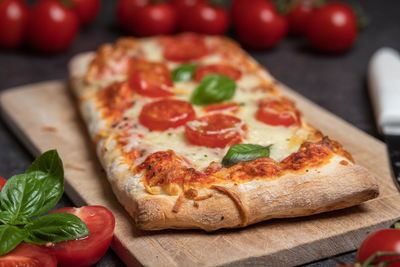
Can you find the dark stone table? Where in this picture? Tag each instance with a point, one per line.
(337, 83)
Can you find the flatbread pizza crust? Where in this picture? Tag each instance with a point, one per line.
(330, 187)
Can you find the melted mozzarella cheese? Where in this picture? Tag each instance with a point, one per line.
(283, 140)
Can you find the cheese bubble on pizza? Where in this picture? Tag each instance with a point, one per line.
(193, 133)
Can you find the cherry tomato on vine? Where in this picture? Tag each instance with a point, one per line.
(125, 10)
(86, 10)
(260, 26)
(154, 19)
(332, 28)
(2, 182)
(204, 18)
(28, 254)
(238, 6)
(299, 15)
(88, 250)
(13, 22)
(386, 240)
(180, 5)
(52, 26)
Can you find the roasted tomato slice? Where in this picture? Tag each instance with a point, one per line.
(221, 69)
(184, 47)
(115, 99)
(28, 254)
(166, 113)
(2, 182)
(278, 113)
(218, 130)
(150, 78)
(88, 250)
(228, 107)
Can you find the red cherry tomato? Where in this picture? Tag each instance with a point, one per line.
(13, 21)
(260, 26)
(221, 69)
(2, 183)
(386, 240)
(28, 254)
(299, 15)
(125, 10)
(237, 8)
(154, 19)
(204, 18)
(52, 26)
(332, 28)
(86, 10)
(180, 5)
(184, 47)
(278, 113)
(218, 130)
(228, 107)
(88, 250)
(166, 113)
(150, 79)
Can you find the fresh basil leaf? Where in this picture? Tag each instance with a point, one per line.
(55, 227)
(184, 73)
(21, 197)
(5, 216)
(244, 152)
(10, 237)
(48, 168)
(213, 88)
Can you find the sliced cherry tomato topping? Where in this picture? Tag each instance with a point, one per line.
(184, 47)
(88, 250)
(150, 79)
(217, 130)
(221, 69)
(228, 107)
(115, 99)
(28, 254)
(166, 113)
(2, 182)
(278, 113)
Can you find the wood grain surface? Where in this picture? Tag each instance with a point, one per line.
(44, 116)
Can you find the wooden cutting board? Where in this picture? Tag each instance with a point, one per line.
(44, 116)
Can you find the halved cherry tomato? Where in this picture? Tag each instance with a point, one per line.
(13, 22)
(221, 69)
(229, 107)
(30, 255)
(278, 113)
(150, 79)
(125, 11)
(88, 250)
(184, 47)
(166, 113)
(217, 130)
(386, 240)
(2, 182)
(154, 19)
(204, 18)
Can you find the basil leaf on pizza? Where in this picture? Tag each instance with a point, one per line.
(244, 152)
(213, 88)
(184, 73)
(55, 227)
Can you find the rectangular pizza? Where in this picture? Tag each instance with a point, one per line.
(193, 133)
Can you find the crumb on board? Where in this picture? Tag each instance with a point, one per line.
(49, 129)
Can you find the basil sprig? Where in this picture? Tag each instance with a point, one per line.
(213, 88)
(184, 73)
(31, 194)
(244, 152)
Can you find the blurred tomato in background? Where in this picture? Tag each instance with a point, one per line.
(13, 21)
